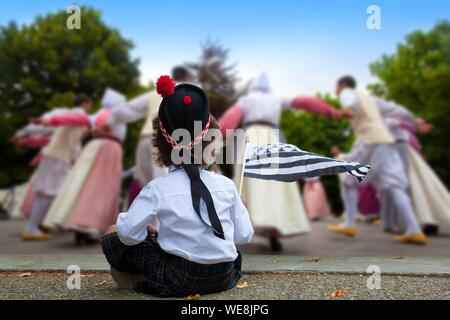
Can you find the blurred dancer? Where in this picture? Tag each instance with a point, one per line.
(276, 208)
(32, 136)
(430, 197)
(402, 124)
(89, 198)
(376, 146)
(57, 157)
(145, 107)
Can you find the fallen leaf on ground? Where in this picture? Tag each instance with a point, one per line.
(315, 260)
(339, 293)
(242, 285)
(25, 274)
(193, 297)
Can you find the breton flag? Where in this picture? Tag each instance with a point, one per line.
(288, 163)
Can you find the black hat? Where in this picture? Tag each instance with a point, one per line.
(185, 106)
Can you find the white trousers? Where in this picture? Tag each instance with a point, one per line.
(388, 176)
(38, 212)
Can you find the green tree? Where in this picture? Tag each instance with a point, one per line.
(417, 76)
(44, 64)
(216, 76)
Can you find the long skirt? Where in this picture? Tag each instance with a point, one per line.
(316, 203)
(146, 168)
(272, 205)
(430, 197)
(88, 201)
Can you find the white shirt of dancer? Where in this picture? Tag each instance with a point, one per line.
(391, 112)
(259, 106)
(167, 201)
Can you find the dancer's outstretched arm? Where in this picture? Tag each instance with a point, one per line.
(68, 117)
(34, 141)
(314, 105)
(390, 109)
(230, 119)
(131, 111)
(34, 129)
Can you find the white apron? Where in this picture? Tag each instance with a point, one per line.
(271, 204)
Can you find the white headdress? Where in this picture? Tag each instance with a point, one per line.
(261, 83)
(112, 98)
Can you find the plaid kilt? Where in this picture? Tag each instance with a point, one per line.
(168, 274)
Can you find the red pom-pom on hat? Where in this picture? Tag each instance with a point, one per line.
(165, 86)
(187, 100)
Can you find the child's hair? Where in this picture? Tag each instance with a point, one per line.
(164, 149)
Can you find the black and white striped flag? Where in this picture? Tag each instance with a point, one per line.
(286, 162)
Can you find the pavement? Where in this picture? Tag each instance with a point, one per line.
(261, 286)
(317, 265)
(371, 241)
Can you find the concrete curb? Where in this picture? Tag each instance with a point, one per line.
(436, 266)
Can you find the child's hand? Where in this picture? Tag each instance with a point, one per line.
(244, 201)
(151, 230)
(424, 127)
(111, 229)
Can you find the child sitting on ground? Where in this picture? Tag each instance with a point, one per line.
(199, 213)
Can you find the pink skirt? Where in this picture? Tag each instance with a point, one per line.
(368, 203)
(315, 200)
(135, 188)
(98, 203)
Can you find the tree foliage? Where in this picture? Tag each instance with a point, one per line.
(44, 65)
(216, 76)
(417, 76)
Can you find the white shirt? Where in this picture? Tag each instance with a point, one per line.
(391, 112)
(167, 201)
(132, 110)
(263, 106)
(348, 98)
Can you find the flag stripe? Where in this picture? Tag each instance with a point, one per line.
(297, 163)
(283, 159)
(291, 177)
(273, 163)
(280, 155)
(302, 169)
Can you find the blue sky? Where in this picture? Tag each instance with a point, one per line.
(303, 45)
